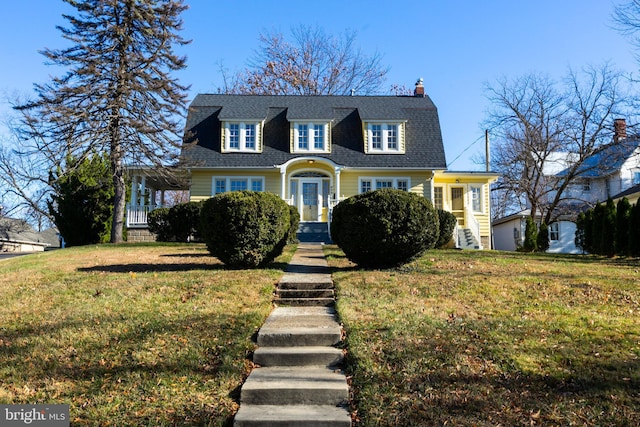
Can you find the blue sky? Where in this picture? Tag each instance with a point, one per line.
(456, 46)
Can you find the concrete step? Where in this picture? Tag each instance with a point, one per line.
(299, 336)
(306, 302)
(292, 416)
(304, 293)
(306, 280)
(298, 356)
(306, 284)
(295, 386)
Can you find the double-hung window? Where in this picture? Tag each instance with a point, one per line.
(241, 137)
(554, 231)
(318, 137)
(310, 138)
(476, 199)
(375, 183)
(222, 184)
(384, 138)
(438, 197)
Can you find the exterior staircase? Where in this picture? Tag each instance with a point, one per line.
(314, 232)
(466, 239)
(298, 381)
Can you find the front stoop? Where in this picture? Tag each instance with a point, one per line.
(292, 416)
(298, 381)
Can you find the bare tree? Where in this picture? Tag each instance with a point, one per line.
(626, 16)
(543, 133)
(311, 62)
(117, 96)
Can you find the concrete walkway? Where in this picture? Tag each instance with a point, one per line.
(299, 381)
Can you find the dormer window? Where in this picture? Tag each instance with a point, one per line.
(385, 138)
(241, 137)
(311, 138)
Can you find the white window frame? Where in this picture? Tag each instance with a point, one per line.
(438, 199)
(313, 131)
(389, 139)
(243, 137)
(477, 203)
(373, 182)
(249, 180)
(554, 231)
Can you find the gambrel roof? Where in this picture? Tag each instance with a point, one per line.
(347, 114)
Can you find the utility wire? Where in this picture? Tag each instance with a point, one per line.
(466, 149)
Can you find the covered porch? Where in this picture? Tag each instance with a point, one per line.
(312, 185)
(149, 191)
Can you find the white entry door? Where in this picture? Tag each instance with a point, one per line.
(310, 200)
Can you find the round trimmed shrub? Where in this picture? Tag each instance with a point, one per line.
(245, 229)
(184, 219)
(448, 223)
(384, 228)
(158, 221)
(294, 224)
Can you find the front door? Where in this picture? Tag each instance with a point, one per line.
(310, 205)
(457, 204)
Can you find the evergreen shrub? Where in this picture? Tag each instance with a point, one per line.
(245, 229)
(184, 220)
(158, 222)
(384, 228)
(448, 223)
(294, 224)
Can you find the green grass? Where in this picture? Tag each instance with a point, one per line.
(492, 338)
(131, 334)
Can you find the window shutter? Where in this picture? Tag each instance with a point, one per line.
(223, 137)
(365, 137)
(327, 136)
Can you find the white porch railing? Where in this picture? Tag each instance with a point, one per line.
(137, 216)
(474, 226)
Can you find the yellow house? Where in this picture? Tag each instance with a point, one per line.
(314, 151)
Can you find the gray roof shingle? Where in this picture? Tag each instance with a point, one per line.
(424, 147)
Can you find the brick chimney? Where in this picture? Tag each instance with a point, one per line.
(419, 90)
(619, 130)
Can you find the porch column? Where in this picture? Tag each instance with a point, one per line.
(283, 182)
(143, 186)
(338, 170)
(134, 191)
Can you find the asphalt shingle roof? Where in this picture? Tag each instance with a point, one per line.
(424, 147)
(609, 159)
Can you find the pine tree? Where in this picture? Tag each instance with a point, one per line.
(623, 215)
(542, 239)
(609, 229)
(634, 231)
(81, 202)
(530, 236)
(117, 96)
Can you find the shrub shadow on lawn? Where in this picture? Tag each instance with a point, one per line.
(150, 268)
(99, 368)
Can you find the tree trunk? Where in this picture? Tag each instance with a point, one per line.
(119, 201)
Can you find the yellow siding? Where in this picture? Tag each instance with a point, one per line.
(200, 185)
(202, 181)
(420, 182)
(466, 181)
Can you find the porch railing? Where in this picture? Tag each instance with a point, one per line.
(474, 226)
(138, 215)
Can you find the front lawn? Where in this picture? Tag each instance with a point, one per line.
(130, 335)
(493, 339)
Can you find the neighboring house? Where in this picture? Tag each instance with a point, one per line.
(612, 172)
(18, 236)
(508, 234)
(314, 151)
